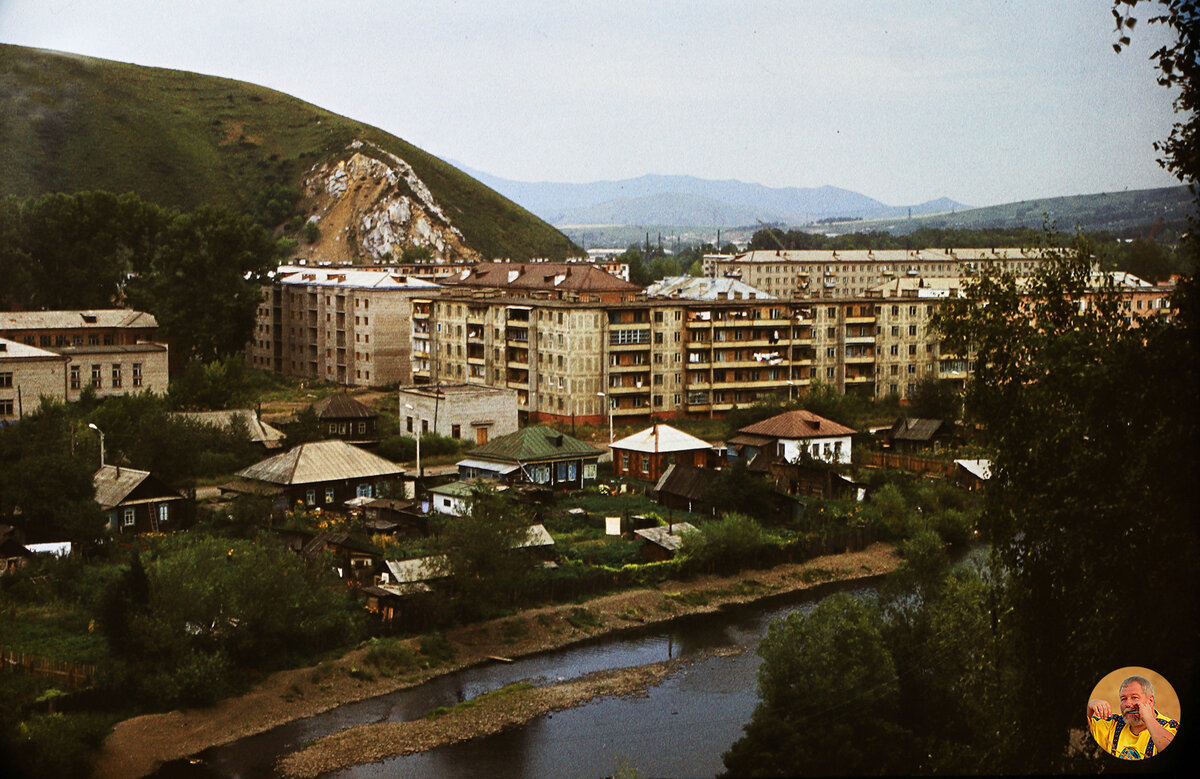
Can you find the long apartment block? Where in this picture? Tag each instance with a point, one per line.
(809, 274)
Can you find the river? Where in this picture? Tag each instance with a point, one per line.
(680, 728)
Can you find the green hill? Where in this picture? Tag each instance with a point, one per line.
(70, 123)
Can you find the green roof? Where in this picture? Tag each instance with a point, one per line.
(534, 444)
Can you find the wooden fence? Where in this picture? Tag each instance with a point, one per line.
(907, 462)
(70, 674)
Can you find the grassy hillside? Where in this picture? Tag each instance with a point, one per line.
(1130, 213)
(71, 123)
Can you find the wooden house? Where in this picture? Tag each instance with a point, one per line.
(343, 418)
(648, 453)
(661, 543)
(539, 455)
(136, 501)
(913, 435)
(320, 474)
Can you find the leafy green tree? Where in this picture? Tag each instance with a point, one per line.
(735, 489)
(480, 553)
(725, 545)
(829, 697)
(203, 284)
(934, 399)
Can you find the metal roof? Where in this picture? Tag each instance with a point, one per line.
(113, 483)
(485, 465)
(668, 537)
(342, 406)
(705, 288)
(260, 431)
(534, 444)
(20, 351)
(981, 469)
(661, 438)
(320, 461)
(61, 320)
(349, 279)
(799, 424)
(915, 429)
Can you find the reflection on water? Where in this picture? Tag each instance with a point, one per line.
(679, 729)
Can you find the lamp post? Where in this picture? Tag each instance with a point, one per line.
(791, 389)
(101, 433)
(610, 424)
(417, 435)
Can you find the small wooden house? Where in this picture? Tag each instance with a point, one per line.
(648, 453)
(661, 543)
(136, 501)
(913, 435)
(540, 455)
(343, 418)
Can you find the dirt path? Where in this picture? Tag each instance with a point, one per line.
(138, 746)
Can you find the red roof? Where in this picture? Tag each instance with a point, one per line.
(797, 425)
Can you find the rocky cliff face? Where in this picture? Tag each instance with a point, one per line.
(372, 206)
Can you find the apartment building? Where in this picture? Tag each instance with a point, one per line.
(697, 349)
(839, 274)
(350, 327)
(108, 351)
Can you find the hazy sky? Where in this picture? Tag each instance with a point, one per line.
(983, 101)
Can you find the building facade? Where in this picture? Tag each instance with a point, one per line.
(28, 374)
(349, 327)
(471, 412)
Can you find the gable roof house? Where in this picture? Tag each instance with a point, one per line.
(320, 474)
(909, 435)
(259, 431)
(347, 419)
(785, 436)
(647, 453)
(539, 455)
(136, 501)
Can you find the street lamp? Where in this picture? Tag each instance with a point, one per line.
(101, 432)
(417, 435)
(609, 404)
(791, 389)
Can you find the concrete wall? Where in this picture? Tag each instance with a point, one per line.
(465, 410)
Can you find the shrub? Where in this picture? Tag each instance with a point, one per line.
(390, 655)
(725, 545)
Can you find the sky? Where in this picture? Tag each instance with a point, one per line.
(981, 101)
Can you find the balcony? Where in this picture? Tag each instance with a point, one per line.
(630, 368)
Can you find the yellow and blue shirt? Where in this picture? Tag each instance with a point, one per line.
(1118, 740)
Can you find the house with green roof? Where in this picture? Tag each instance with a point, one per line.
(537, 455)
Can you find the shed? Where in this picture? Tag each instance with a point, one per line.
(664, 541)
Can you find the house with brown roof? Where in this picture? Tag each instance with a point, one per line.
(320, 474)
(648, 453)
(136, 501)
(792, 435)
(344, 418)
(911, 435)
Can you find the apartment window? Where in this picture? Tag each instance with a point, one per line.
(75, 379)
(831, 351)
(895, 369)
(6, 379)
(6, 407)
(830, 373)
(912, 310)
(896, 331)
(116, 374)
(912, 350)
(97, 381)
(912, 368)
(912, 329)
(94, 339)
(137, 374)
(895, 310)
(109, 339)
(895, 350)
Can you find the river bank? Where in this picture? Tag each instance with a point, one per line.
(137, 746)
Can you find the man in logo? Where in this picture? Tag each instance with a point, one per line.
(1139, 731)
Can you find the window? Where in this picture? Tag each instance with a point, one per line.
(333, 428)
(97, 381)
(329, 494)
(409, 424)
(76, 381)
(362, 428)
(912, 368)
(310, 497)
(137, 374)
(456, 431)
(6, 379)
(645, 463)
(481, 436)
(6, 407)
(424, 427)
(624, 461)
(93, 339)
(912, 350)
(895, 350)
(912, 329)
(164, 512)
(128, 519)
(116, 374)
(362, 491)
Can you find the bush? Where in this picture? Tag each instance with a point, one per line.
(725, 545)
(58, 744)
(390, 655)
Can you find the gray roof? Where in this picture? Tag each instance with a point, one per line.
(321, 461)
(20, 351)
(915, 429)
(705, 288)
(260, 431)
(668, 537)
(114, 483)
(60, 320)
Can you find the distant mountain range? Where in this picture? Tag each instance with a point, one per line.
(687, 200)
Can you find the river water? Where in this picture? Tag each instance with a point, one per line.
(680, 728)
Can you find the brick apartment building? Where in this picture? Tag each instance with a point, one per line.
(110, 351)
(349, 327)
